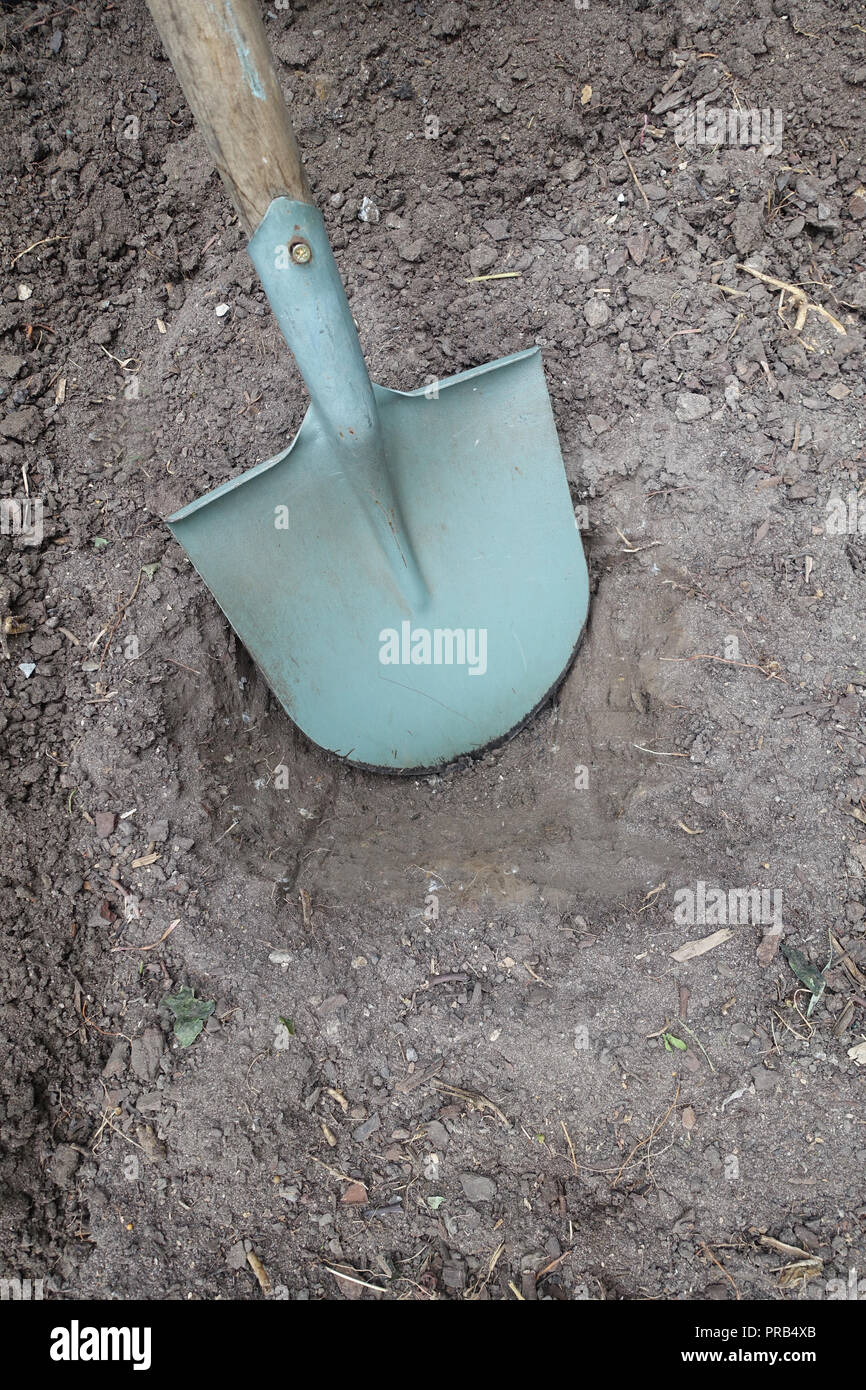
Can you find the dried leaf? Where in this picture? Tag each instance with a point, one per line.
(260, 1272)
(690, 949)
(145, 859)
(800, 1271)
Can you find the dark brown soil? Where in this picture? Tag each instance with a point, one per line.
(476, 966)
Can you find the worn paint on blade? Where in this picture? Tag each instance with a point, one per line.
(248, 67)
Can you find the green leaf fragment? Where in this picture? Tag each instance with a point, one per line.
(287, 1024)
(189, 1014)
(671, 1041)
(807, 974)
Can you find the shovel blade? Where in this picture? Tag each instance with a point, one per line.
(370, 664)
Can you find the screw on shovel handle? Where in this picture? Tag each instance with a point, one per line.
(220, 54)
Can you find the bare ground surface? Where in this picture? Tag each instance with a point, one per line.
(494, 1075)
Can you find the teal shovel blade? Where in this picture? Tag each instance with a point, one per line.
(405, 625)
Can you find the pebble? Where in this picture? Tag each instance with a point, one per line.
(145, 1054)
(692, 406)
(596, 313)
(368, 211)
(482, 258)
(104, 823)
(478, 1188)
(23, 425)
(366, 1129)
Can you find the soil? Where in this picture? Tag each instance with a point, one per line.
(450, 1054)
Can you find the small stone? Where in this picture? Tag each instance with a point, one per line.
(145, 1054)
(27, 668)
(368, 211)
(355, 1195)
(482, 258)
(105, 823)
(221, 310)
(497, 228)
(64, 1162)
(638, 245)
(24, 425)
(438, 1134)
(158, 832)
(478, 1188)
(857, 205)
(236, 1257)
(409, 249)
(502, 100)
(596, 313)
(808, 188)
(364, 1130)
(116, 1064)
(692, 406)
(571, 170)
(25, 291)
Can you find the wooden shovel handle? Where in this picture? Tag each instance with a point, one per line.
(220, 54)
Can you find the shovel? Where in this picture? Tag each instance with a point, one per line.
(408, 573)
